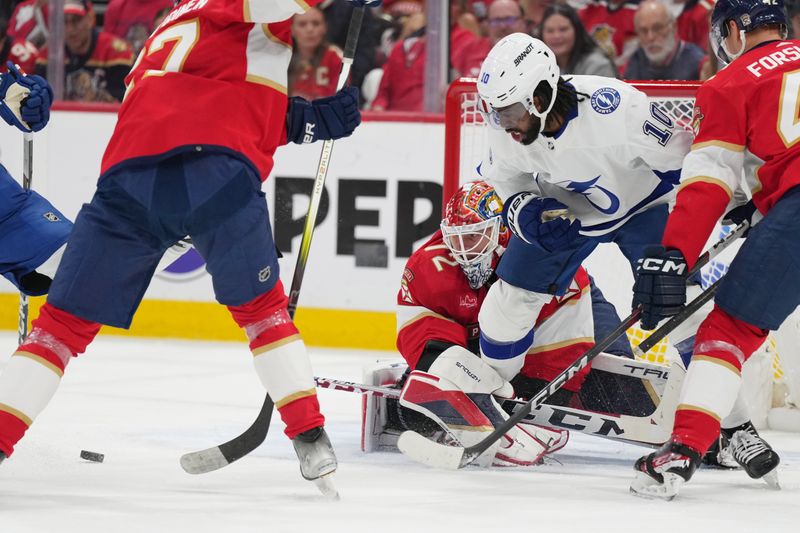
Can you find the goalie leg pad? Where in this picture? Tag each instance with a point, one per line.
(458, 394)
(377, 412)
(281, 359)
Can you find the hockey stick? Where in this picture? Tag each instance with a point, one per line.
(453, 457)
(217, 457)
(668, 326)
(27, 181)
(652, 429)
(614, 364)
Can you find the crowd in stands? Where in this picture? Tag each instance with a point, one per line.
(628, 39)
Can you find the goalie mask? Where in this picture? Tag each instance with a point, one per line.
(510, 74)
(748, 15)
(473, 230)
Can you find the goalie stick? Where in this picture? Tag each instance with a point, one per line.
(453, 457)
(27, 182)
(211, 459)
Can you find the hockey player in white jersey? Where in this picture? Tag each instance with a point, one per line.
(577, 162)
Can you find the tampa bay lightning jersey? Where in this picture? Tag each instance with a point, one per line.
(615, 156)
(31, 230)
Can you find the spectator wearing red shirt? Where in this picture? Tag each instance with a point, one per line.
(504, 17)
(96, 61)
(29, 21)
(315, 65)
(694, 21)
(19, 51)
(132, 20)
(610, 23)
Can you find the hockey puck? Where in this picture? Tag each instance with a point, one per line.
(92, 456)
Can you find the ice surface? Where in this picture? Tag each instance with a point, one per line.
(144, 403)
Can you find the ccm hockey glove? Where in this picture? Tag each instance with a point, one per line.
(323, 119)
(660, 286)
(543, 221)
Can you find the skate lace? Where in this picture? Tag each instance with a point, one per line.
(746, 445)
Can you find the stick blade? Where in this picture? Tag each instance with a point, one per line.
(430, 453)
(203, 461)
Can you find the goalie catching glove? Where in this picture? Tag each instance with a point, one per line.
(542, 221)
(24, 100)
(323, 119)
(459, 393)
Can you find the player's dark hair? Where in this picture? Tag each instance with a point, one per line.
(567, 97)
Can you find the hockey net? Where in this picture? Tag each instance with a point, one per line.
(772, 384)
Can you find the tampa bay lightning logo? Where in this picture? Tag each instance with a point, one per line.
(601, 198)
(605, 100)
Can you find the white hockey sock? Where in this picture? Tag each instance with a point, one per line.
(285, 370)
(711, 386)
(506, 317)
(27, 385)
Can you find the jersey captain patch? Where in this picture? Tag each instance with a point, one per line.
(605, 100)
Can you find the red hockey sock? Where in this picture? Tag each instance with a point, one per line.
(39, 363)
(722, 345)
(281, 359)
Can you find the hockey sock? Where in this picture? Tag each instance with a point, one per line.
(507, 317)
(713, 380)
(34, 372)
(281, 359)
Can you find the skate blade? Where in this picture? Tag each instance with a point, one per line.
(327, 487)
(646, 487)
(771, 479)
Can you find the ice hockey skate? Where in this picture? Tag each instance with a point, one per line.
(662, 473)
(317, 459)
(753, 454)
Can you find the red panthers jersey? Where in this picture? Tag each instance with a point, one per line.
(611, 25)
(213, 74)
(745, 120)
(317, 81)
(20, 52)
(435, 301)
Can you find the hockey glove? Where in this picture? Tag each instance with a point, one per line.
(660, 286)
(543, 221)
(739, 214)
(366, 3)
(26, 100)
(333, 117)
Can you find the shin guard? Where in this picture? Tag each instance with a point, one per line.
(713, 380)
(281, 359)
(34, 372)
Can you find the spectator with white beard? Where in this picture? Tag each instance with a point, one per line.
(661, 55)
